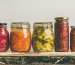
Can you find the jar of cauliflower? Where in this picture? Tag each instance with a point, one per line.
(42, 37)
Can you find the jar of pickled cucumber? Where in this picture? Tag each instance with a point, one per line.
(61, 34)
(42, 37)
(20, 36)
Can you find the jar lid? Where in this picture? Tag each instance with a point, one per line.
(20, 25)
(42, 25)
(61, 18)
(3, 23)
(72, 26)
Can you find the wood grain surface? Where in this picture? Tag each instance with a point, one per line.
(37, 53)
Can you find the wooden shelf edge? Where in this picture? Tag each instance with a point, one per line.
(37, 54)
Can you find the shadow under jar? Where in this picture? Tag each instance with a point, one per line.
(42, 37)
(61, 34)
(4, 37)
(20, 36)
(72, 38)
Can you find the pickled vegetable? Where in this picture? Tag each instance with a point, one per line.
(61, 35)
(4, 38)
(20, 40)
(43, 39)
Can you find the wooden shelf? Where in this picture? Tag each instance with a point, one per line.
(37, 53)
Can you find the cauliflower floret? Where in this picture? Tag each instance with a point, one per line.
(51, 31)
(50, 39)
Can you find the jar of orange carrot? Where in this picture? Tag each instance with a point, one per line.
(20, 36)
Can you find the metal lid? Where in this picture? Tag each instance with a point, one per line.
(20, 25)
(42, 25)
(61, 18)
(3, 23)
(72, 26)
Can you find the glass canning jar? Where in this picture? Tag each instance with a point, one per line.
(4, 37)
(61, 34)
(72, 38)
(20, 36)
(42, 37)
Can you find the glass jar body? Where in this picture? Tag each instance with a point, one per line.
(42, 40)
(61, 35)
(4, 38)
(20, 40)
(72, 39)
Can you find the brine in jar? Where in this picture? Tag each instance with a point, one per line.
(61, 34)
(20, 36)
(42, 37)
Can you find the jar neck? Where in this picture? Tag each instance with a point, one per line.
(3, 26)
(19, 30)
(58, 20)
(73, 28)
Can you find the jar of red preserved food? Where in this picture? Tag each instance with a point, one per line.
(61, 34)
(72, 38)
(4, 37)
(20, 36)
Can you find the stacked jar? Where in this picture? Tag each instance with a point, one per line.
(42, 37)
(61, 34)
(20, 36)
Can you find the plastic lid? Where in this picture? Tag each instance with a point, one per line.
(20, 25)
(42, 25)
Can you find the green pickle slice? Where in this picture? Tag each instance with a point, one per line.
(43, 40)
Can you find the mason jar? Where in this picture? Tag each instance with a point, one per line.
(72, 38)
(4, 37)
(42, 37)
(20, 36)
(61, 34)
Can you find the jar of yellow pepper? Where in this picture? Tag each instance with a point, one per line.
(42, 37)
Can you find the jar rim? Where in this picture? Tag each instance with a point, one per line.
(20, 25)
(42, 22)
(72, 26)
(61, 18)
(3, 23)
(42, 25)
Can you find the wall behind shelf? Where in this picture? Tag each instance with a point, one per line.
(36, 11)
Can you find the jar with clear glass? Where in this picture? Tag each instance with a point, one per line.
(4, 37)
(42, 37)
(61, 34)
(20, 36)
(72, 38)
